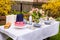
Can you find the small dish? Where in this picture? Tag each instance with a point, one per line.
(47, 22)
(37, 25)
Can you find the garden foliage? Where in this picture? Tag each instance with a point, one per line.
(53, 8)
(5, 7)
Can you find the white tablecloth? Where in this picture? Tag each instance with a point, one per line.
(28, 34)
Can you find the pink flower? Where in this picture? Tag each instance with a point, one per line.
(33, 9)
(37, 10)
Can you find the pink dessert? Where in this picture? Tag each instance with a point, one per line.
(19, 24)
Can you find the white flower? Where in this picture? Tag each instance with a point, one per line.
(31, 12)
(41, 12)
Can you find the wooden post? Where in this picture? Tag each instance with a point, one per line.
(2, 20)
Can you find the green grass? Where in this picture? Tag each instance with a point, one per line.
(9, 39)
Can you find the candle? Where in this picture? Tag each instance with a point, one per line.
(30, 19)
(19, 18)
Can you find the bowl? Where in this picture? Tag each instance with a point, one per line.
(37, 25)
(47, 22)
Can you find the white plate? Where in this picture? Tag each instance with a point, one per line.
(21, 27)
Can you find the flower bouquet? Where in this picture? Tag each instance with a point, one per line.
(36, 14)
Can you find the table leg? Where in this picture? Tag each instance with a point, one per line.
(3, 36)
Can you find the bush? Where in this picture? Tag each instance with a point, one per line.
(58, 19)
(53, 8)
(5, 7)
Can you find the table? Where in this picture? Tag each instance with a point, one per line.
(28, 34)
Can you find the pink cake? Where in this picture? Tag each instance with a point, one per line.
(19, 24)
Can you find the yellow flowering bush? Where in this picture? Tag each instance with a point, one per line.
(5, 7)
(53, 8)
